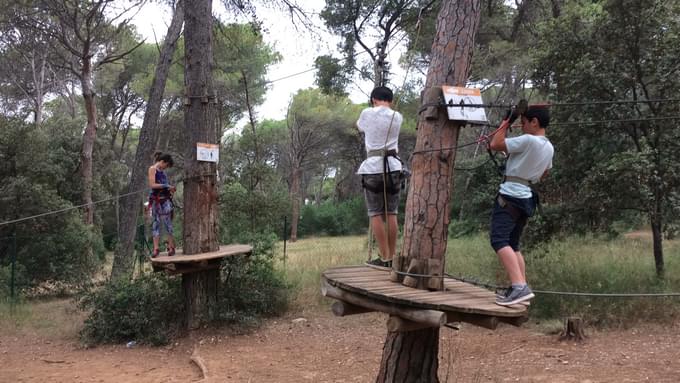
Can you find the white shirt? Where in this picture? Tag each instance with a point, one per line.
(530, 157)
(381, 127)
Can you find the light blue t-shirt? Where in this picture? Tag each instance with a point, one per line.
(529, 157)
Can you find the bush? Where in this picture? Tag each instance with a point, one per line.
(144, 309)
(334, 219)
(251, 287)
(20, 280)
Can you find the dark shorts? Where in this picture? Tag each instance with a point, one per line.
(507, 223)
(375, 201)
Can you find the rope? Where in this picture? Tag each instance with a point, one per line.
(385, 161)
(53, 212)
(547, 292)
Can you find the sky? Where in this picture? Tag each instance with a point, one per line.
(298, 47)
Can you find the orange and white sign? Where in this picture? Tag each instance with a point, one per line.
(459, 96)
(207, 152)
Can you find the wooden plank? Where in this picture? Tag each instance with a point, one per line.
(473, 300)
(432, 318)
(222, 252)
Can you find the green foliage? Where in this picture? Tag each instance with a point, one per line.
(243, 211)
(20, 280)
(145, 309)
(251, 287)
(35, 169)
(333, 218)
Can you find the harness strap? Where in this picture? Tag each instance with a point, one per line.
(518, 180)
(382, 153)
(512, 209)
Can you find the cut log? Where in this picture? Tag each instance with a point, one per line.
(396, 324)
(341, 309)
(573, 329)
(432, 318)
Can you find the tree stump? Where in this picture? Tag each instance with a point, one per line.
(573, 329)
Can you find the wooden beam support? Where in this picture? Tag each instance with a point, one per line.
(432, 318)
(397, 324)
(341, 309)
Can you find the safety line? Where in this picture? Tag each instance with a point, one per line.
(53, 212)
(565, 293)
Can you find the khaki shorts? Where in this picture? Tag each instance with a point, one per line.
(375, 201)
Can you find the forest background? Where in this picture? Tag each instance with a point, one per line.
(76, 80)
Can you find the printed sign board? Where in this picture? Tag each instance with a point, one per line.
(207, 152)
(459, 96)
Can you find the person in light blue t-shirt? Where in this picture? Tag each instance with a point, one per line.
(529, 160)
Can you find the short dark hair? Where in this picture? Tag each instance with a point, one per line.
(541, 112)
(382, 93)
(165, 157)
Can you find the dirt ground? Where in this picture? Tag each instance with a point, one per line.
(317, 347)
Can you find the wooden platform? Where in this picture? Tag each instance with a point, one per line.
(363, 286)
(182, 264)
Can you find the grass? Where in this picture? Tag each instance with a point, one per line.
(51, 319)
(578, 264)
(582, 264)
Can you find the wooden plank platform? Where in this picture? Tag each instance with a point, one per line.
(459, 300)
(224, 251)
(184, 264)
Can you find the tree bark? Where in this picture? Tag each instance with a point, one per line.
(413, 356)
(130, 205)
(200, 182)
(410, 356)
(296, 198)
(200, 120)
(89, 137)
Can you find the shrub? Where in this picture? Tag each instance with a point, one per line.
(333, 218)
(144, 309)
(251, 287)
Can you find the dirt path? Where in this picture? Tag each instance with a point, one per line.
(323, 348)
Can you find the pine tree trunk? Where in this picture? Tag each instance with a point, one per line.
(200, 187)
(296, 197)
(89, 137)
(411, 357)
(130, 205)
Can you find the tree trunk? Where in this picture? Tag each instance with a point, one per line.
(130, 206)
(200, 123)
(295, 195)
(200, 297)
(200, 183)
(427, 205)
(89, 137)
(657, 240)
(410, 356)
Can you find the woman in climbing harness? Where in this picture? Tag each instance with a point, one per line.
(160, 202)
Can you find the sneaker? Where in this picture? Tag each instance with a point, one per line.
(503, 292)
(155, 253)
(379, 264)
(515, 296)
(171, 252)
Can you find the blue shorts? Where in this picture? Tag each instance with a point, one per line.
(508, 222)
(161, 212)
